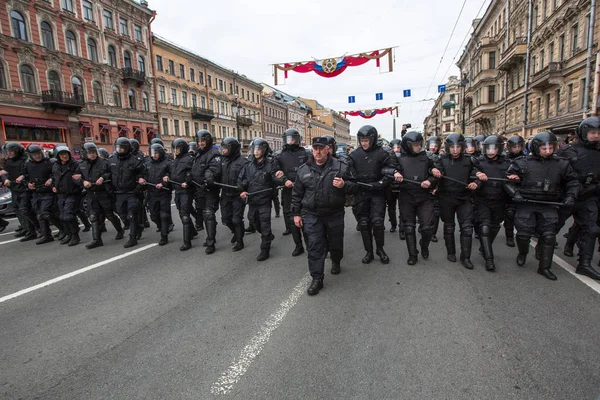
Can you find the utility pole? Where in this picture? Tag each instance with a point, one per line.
(394, 129)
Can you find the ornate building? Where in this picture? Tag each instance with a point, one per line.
(275, 121)
(340, 126)
(444, 115)
(296, 109)
(75, 71)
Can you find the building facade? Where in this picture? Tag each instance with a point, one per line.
(297, 110)
(275, 121)
(444, 116)
(340, 126)
(316, 128)
(194, 93)
(76, 71)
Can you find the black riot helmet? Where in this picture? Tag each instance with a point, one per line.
(123, 147)
(395, 144)
(410, 140)
(454, 139)
(479, 142)
(34, 149)
(182, 145)
(291, 139)
(193, 146)
(470, 145)
(157, 149)
(62, 149)
(135, 145)
(493, 144)
(232, 145)
(16, 148)
(157, 141)
(543, 139)
(331, 143)
(103, 153)
(88, 148)
(368, 132)
(261, 144)
(434, 144)
(203, 134)
(515, 144)
(591, 124)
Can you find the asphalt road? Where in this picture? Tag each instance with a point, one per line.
(165, 324)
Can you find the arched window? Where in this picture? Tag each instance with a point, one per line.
(77, 87)
(141, 64)
(112, 56)
(145, 101)
(18, 25)
(2, 77)
(53, 81)
(47, 36)
(98, 97)
(131, 97)
(92, 50)
(127, 59)
(27, 79)
(71, 43)
(116, 96)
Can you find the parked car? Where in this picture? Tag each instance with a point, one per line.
(6, 203)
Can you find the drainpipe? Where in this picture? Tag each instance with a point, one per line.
(596, 86)
(589, 60)
(152, 62)
(527, 68)
(506, 44)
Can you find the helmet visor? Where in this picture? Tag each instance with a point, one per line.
(491, 149)
(416, 146)
(470, 147)
(291, 140)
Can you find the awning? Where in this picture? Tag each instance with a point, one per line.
(448, 104)
(85, 125)
(564, 128)
(137, 129)
(34, 122)
(105, 127)
(123, 129)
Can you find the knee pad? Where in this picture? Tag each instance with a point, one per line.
(131, 218)
(236, 220)
(485, 230)
(449, 228)
(44, 216)
(549, 240)
(466, 231)
(93, 217)
(594, 231)
(377, 222)
(510, 215)
(363, 224)
(186, 220)
(409, 229)
(164, 215)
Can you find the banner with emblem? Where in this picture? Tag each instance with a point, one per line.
(370, 113)
(332, 67)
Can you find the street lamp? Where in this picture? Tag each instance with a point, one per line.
(235, 109)
(436, 122)
(463, 84)
(309, 134)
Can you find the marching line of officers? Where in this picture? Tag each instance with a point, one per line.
(481, 187)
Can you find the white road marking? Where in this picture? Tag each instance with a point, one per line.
(239, 367)
(11, 219)
(74, 273)
(18, 239)
(594, 285)
(7, 233)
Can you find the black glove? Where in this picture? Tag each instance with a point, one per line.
(240, 188)
(518, 198)
(377, 186)
(210, 180)
(569, 201)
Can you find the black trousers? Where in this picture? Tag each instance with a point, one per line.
(585, 215)
(260, 216)
(459, 206)
(489, 211)
(369, 211)
(232, 211)
(322, 231)
(68, 205)
(43, 205)
(531, 218)
(127, 204)
(159, 207)
(392, 197)
(183, 202)
(208, 203)
(24, 209)
(413, 206)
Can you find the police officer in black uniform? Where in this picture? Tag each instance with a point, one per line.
(180, 175)
(127, 174)
(143, 217)
(256, 182)
(232, 205)
(159, 193)
(514, 149)
(318, 200)
(544, 177)
(471, 146)
(455, 196)
(205, 171)
(584, 157)
(66, 176)
(366, 164)
(392, 193)
(434, 146)
(286, 163)
(490, 199)
(95, 173)
(415, 198)
(193, 147)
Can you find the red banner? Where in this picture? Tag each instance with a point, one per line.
(367, 114)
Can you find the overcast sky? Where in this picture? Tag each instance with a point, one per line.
(247, 36)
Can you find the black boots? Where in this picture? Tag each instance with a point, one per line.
(585, 259)
(367, 239)
(47, 234)
(510, 238)
(411, 244)
(466, 242)
(297, 236)
(424, 242)
(450, 246)
(523, 246)
(546, 253)
(379, 235)
(211, 233)
(164, 231)
(315, 286)
(239, 236)
(96, 237)
(264, 254)
(335, 267)
(187, 237)
(74, 229)
(486, 246)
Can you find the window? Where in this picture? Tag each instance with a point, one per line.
(71, 43)
(98, 98)
(211, 104)
(552, 52)
(491, 94)
(201, 78)
(186, 128)
(77, 87)
(137, 33)
(171, 67)
(92, 50)
(27, 79)
(492, 60)
(209, 79)
(253, 97)
(108, 20)
(176, 126)
(569, 96)
(131, 98)
(112, 56)
(534, 64)
(202, 102)
(192, 75)
(145, 102)
(544, 9)
(162, 96)
(53, 81)
(452, 97)
(47, 36)
(231, 88)
(575, 39)
(184, 99)
(547, 106)
(242, 93)
(159, 64)
(538, 108)
(196, 127)
(127, 59)
(141, 64)
(123, 26)
(68, 5)
(535, 17)
(104, 133)
(18, 25)
(447, 112)
(221, 85)
(174, 97)
(116, 96)
(561, 47)
(554, 4)
(557, 99)
(542, 58)
(182, 71)
(447, 127)
(581, 92)
(194, 101)
(88, 12)
(165, 126)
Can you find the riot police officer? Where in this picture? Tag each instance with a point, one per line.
(127, 172)
(455, 168)
(584, 157)
(103, 153)
(193, 147)
(366, 164)
(205, 172)
(479, 139)
(392, 193)
(286, 163)
(65, 177)
(159, 193)
(514, 146)
(142, 216)
(232, 205)
(490, 199)
(256, 182)
(95, 173)
(471, 146)
(544, 177)
(434, 147)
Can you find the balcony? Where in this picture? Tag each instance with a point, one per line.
(130, 74)
(244, 121)
(56, 99)
(513, 53)
(548, 76)
(202, 114)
